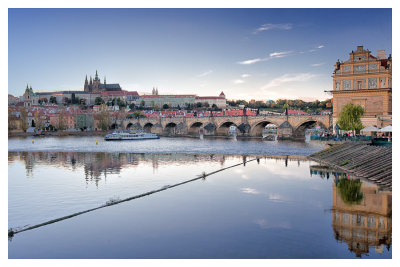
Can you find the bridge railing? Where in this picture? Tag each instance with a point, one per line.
(239, 116)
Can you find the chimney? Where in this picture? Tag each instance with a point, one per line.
(381, 54)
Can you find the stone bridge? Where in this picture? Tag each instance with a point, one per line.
(289, 127)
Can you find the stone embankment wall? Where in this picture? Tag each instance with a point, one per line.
(373, 163)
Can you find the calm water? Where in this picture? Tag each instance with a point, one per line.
(270, 208)
(164, 145)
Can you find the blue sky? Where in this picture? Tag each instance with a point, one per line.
(247, 53)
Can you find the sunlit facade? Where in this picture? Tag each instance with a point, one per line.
(365, 80)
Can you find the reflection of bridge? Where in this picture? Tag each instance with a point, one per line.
(289, 127)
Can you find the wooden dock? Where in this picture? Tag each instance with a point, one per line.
(373, 163)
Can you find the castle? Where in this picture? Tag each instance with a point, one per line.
(95, 85)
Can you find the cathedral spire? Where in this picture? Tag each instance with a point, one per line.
(96, 77)
(104, 79)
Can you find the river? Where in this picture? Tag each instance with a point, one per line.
(273, 206)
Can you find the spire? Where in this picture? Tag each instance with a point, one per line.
(90, 80)
(104, 79)
(86, 78)
(96, 77)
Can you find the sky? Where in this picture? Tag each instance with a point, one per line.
(248, 54)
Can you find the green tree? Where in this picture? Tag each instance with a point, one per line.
(165, 106)
(350, 191)
(98, 101)
(350, 118)
(53, 99)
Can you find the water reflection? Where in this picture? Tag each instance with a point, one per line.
(98, 165)
(361, 213)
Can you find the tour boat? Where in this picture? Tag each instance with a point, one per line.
(121, 135)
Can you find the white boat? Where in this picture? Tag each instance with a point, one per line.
(122, 135)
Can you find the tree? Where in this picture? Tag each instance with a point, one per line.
(104, 118)
(165, 106)
(350, 118)
(67, 100)
(39, 121)
(24, 119)
(98, 101)
(62, 123)
(11, 120)
(53, 99)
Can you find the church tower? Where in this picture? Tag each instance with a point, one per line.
(96, 83)
(86, 86)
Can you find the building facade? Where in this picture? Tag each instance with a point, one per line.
(30, 98)
(219, 101)
(365, 80)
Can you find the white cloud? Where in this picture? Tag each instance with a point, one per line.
(271, 56)
(280, 54)
(320, 46)
(245, 75)
(252, 61)
(238, 81)
(250, 191)
(205, 73)
(270, 26)
(317, 64)
(287, 78)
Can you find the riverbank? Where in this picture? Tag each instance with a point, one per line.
(373, 163)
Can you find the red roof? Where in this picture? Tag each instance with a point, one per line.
(132, 93)
(209, 97)
(167, 95)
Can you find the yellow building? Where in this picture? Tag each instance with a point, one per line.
(364, 225)
(365, 80)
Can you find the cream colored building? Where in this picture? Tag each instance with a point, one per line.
(366, 80)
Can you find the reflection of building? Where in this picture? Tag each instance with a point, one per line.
(365, 80)
(364, 225)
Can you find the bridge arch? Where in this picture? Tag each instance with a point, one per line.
(194, 128)
(114, 126)
(299, 130)
(170, 128)
(129, 126)
(210, 128)
(147, 127)
(223, 128)
(257, 127)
